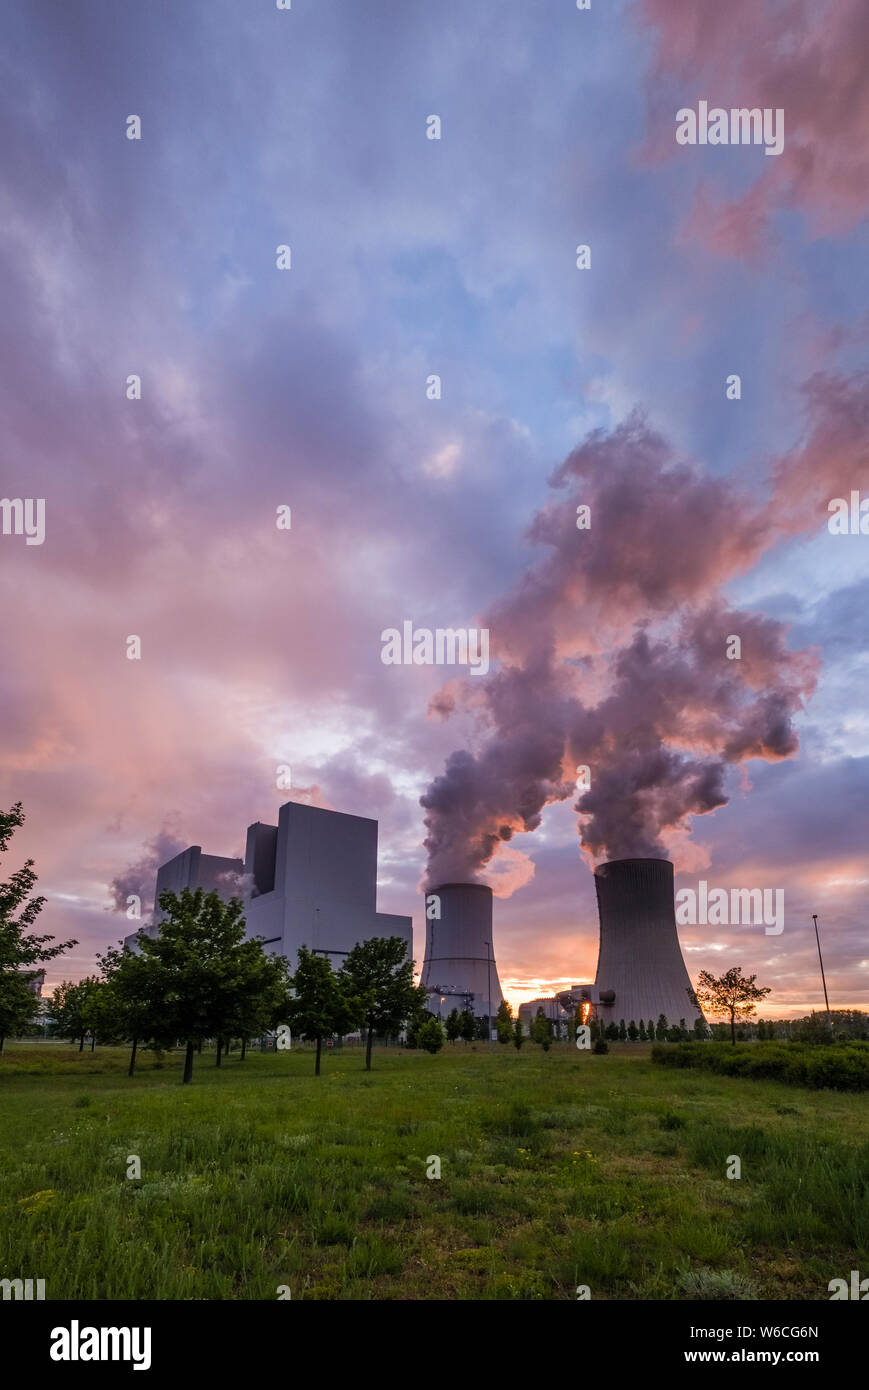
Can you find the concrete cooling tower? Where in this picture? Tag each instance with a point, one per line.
(640, 970)
(459, 966)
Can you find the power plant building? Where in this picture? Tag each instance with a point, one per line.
(310, 880)
(640, 969)
(459, 968)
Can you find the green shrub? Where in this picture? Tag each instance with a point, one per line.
(836, 1066)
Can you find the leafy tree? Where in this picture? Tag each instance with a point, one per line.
(541, 1030)
(453, 1026)
(430, 1035)
(642, 1031)
(17, 948)
(67, 1008)
(482, 1028)
(623, 1032)
(103, 1015)
(611, 1032)
(732, 995)
(633, 1031)
(134, 982)
(518, 1034)
(203, 978)
(504, 1022)
(467, 1025)
(17, 1004)
(379, 973)
(322, 1004)
(661, 1028)
(700, 1029)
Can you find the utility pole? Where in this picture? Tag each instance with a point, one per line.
(823, 977)
(489, 987)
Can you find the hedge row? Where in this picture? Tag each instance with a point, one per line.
(839, 1066)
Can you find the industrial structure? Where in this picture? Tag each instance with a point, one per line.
(558, 1014)
(640, 970)
(310, 880)
(459, 968)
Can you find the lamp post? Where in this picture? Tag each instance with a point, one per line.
(489, 989)
(823, 977)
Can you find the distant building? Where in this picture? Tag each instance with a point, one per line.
(310, 880)
(34, 979)
(551, 1010)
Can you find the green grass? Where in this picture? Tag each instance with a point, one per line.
(556, 1170)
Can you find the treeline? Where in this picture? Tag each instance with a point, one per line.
(649, 1030)
(200, 978)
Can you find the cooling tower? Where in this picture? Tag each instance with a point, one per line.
(458, 963)
(640, 970)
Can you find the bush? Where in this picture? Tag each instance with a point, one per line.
(836, 1066)
(430, 1035)
(600, 1047)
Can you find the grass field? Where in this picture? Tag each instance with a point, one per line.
(557, 1170)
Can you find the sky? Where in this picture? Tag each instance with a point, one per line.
(306, 388)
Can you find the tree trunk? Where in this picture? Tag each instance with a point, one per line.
(243, 1048)
(199, 1047)
(133, 1057)
(317, 1063)
(219, 1046)
(733, 1029)
(81, 1043)
(93, 1041)
(368, 1048)
(188, 1064)
(2, 1041)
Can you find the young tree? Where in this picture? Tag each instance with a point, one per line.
(623, 1032)
(453, 1026)
(700, 1029)
(430, 1035)
(67, 1009)
(611, 1032)
(661, 1028)
(380, 974)
(203, 975)
(732, 995)
(321, 1005)
(541, 1030)
(642, 1031)
(132, 978)
(504, 1021)
(103, 1015)
(633, 1031)
(518, 1034)
(17, 948)
(467, 1026)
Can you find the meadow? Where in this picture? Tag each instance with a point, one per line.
(557, 1170)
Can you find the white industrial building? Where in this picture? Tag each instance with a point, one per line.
(310, 880)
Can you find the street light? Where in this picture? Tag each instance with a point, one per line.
(823, 978)
(489, 988)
